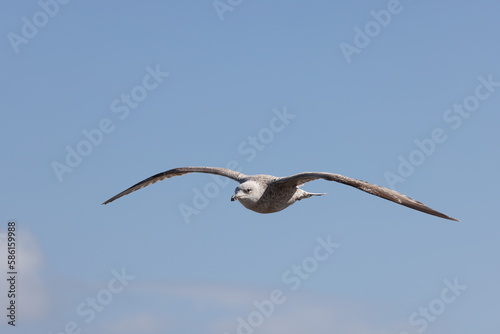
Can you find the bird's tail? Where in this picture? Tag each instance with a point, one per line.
(307, 194)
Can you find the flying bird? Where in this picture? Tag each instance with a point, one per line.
(268, 194)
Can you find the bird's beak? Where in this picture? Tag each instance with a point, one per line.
(234, 198)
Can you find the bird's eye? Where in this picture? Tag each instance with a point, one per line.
(248, 190)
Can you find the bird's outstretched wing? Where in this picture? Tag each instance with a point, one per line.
(237, 176)
(389, 194)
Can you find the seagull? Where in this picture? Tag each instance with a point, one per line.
(268, 194)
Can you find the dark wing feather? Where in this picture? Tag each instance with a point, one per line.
(389, 194)
(237, 176)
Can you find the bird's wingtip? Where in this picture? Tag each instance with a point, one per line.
(451, 218)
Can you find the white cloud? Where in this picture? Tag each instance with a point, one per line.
(139, 323)
(307, 315)
(300, 313)
(32, 291)
(209, 307)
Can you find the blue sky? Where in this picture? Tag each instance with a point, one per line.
(403, 94)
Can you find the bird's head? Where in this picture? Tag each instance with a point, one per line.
(248, 192)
